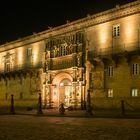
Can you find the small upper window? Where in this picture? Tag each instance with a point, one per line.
(29, 51)
(116, 30)
(135, 69)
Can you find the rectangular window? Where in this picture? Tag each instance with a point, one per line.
(29, 51)
(110, 71)
(116, 30)
(134, 92)
(135, 69)
(7, 67)
(110, 93)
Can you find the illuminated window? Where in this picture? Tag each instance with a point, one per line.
(110, 71)
(134, 92)
(116, 30)
(110, 93)
(135, 69)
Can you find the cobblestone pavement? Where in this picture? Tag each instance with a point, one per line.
(31, 127)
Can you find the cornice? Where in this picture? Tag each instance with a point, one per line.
(81, 24)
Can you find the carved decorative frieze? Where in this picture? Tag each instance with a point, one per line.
(112, 14)
(64, 45)
(65, 51)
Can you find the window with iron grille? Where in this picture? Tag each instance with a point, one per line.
(110, 71)
(135, 69)
(116, 30)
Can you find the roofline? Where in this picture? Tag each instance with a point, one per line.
(85, 22)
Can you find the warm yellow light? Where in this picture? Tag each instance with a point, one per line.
(44, 93)
(34, 58)
(1, 62)
(130, 29)
(20, 56)
(103, 35)
(35, 52)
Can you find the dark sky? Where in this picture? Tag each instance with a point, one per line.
(21, 18)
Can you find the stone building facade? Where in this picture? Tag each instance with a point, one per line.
(99, 53)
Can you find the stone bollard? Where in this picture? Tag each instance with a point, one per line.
(39, 111)
(85, 106)
(89, 108)
(12, 109)
(61, 109)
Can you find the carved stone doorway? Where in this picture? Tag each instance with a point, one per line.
(65, 92)
(61, 90)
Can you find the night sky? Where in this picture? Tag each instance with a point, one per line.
(21, 18)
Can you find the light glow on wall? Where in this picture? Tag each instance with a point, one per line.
(20, 56)
(103, 34)
(35, 53)
(130, 29)
(1, 64)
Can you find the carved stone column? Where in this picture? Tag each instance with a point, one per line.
(74, 94)
(82, 95)
(81, 80)
(50, 96)
(74, 74)
(44, 96)
(74, 84)
(88, 69)
(49, 89)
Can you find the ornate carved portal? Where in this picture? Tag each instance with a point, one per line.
(64, 69)
(64, 90)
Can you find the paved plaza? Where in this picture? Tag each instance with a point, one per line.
(43, 127)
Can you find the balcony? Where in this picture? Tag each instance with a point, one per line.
(23, 67)
(63, 64)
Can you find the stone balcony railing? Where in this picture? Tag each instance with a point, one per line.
(23, 67)
(116, 49)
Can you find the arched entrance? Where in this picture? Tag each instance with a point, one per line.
(62, 89)
(65, 92)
